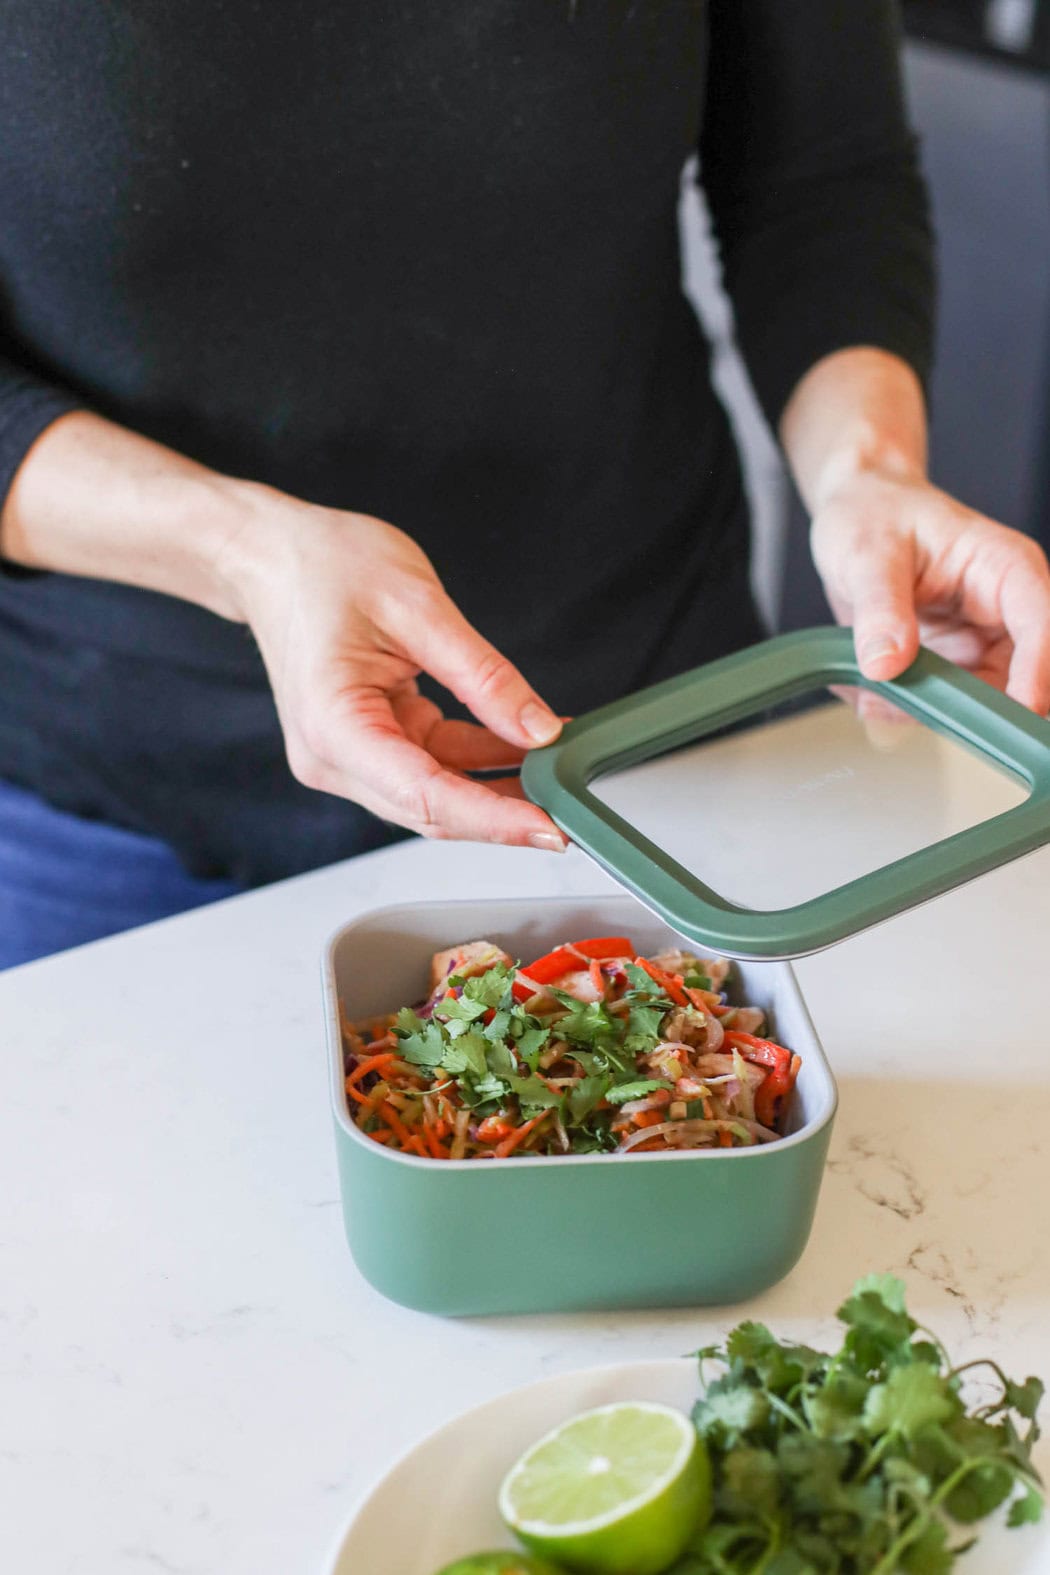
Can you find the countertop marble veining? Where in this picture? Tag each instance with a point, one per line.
(194, 1380)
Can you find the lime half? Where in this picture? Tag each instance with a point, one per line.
(616, 1491)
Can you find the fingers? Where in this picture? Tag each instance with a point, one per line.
(445, 645)
(367, 757)
(1026, 615)
(463, 746)
(881, 586)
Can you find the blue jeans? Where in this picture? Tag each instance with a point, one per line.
(64, 880)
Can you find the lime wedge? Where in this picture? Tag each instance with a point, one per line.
(616, 1491)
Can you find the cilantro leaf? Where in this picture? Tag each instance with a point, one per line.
(497, 1030)
(778, 1366)
(532, 1092)
(459, 1008)
(641, 982)
(837, 1409)
(876, 1331)
(467, 1054)
(586, 1095)
(501, 1060)
(421, 1043)
(621, 1092)
(531, 1042)
(1024, 1398)
(929, 1554)
(912, 1398)
(728, 1410)
(489, 1087)
(489, 988)
(1026, 1510)
(750, 1482)
(643, 1027)
(888, 1288)
(588, 1023)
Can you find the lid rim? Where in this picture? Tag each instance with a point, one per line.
(695, 704)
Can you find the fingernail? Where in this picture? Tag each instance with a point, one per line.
(876, 646)
(541, 725)
(547, 842)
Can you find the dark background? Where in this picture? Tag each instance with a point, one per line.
(979, 83)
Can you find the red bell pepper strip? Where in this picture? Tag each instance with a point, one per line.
(552, 966)
(670, 983)
(780, 1078)
(604, 946)
(566, 959)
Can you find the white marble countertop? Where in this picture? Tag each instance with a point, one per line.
(193, 1377)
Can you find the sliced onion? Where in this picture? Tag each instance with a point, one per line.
(632, 1107)
(459, 1141)
(695, 1128)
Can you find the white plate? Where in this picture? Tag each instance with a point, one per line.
(407, 1526)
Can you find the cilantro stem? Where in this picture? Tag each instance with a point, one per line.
(874, 1455)
(946, 1360)
(890, 1559)
(785, 1410)
(772, 1548)
(980, 1361)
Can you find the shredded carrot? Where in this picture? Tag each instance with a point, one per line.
(372, 1064)
(382, 1135)
(647, 1118)
(415, 1146)
(390, 1115)
(438, 1150)
(668, 982)
(494, 1129)
(509, 1144)
(597, 978)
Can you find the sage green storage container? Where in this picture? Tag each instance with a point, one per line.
(544, 1234)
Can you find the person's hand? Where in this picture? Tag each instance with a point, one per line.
(902, 562)
(347, 612)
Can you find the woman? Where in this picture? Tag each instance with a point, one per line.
(345, 346)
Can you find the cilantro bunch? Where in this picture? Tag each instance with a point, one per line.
(864, 1462)
(483, 1040)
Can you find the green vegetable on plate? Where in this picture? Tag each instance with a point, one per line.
(877, 1459)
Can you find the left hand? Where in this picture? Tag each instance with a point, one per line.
(903, 562)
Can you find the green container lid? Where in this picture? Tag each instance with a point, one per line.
(714, 697)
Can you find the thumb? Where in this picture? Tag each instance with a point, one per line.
(882, 596)
(451, 650)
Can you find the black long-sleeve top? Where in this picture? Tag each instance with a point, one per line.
(420, 261)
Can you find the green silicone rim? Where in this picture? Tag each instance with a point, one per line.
(684, 709)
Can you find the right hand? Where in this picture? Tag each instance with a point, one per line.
(348, 611)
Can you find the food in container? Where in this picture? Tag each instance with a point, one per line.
(590, 1230)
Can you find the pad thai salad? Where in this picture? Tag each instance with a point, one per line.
(589, 1049)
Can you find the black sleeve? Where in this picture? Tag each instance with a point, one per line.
(27, 405)
(812, 179)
